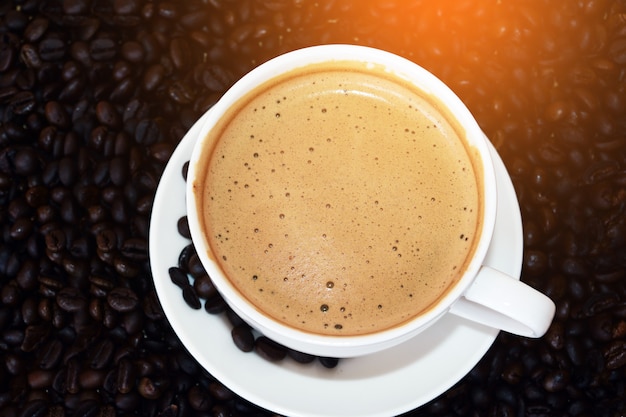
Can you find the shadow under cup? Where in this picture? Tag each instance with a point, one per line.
(213, 244)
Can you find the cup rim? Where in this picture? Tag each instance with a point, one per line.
(330, 345)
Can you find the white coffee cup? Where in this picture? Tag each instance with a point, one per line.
(482, 294)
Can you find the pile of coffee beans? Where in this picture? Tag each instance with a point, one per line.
(96, 94)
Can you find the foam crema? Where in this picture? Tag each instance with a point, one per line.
(339, 200)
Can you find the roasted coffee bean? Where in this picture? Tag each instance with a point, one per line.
(300, 357)
(72, 90)
(71, 299)
(555, 336)
(204, 287)
(185, 170)
(135, 249)
(199, 398)
(243, 337)
(10, 294)
(178, 277)
(8, 92)
(7, 56)
(125, 267)
(22, 103)
(167, 10)
(147, 132)
(26, 277)
(25, 162)
(184, 257)
(35, 29)
(149, 389)
(133, 322)
(269, 350)
(191, 297)
(196, 269)
(40, 378)
(122, 299)
(615, 354)
(100, 354)
(102, 49)
(181, 92)
(108, 115)
(34, 336)
(29, 311)
(51, 49)
(180, 52)
(70, 71)
(18, 208)
(217, 78)
(49, 354)
(215, 305)
(599, 303)
(234, 319)
(126, 7)
(21, 229)
(106, 240)
(125, 376)
(56, 114)
(220, 392)
(122, 90)
(68, 171)
(35, 408)
(556, 381)
(12, 130)
(145, 181)
(153, 77)
(37, 196)
(30, 56)
(152, 308)
(14, 364)
(161, 151)
(329, 362)
(183, 227)
(119, 171)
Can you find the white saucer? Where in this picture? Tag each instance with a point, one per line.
(383, 384)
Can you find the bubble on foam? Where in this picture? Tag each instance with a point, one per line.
(324, 308)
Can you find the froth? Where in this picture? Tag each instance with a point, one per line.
(339, 202)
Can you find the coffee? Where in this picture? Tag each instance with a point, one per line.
(339, 200)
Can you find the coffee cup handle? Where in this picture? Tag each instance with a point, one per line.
(497, 300)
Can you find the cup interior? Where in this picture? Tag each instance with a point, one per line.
(338, 346)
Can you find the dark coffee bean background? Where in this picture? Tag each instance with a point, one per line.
(96, 94)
